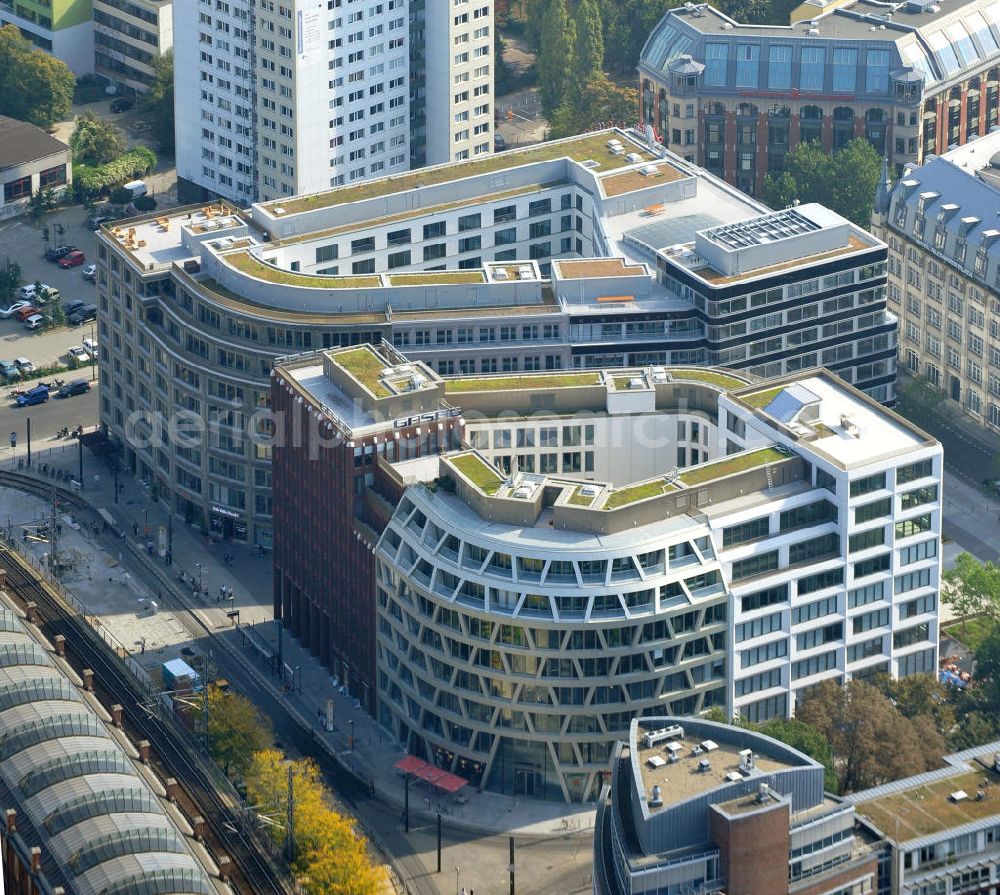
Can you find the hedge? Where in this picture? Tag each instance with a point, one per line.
(89, 183)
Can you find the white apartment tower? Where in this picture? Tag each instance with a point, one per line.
(300, 96)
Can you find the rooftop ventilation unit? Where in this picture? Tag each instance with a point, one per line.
(813, 32)
(636, 382)
(704, 765)
(959, 795)
(652, 737)
(523, 491)
(648, 170)
(850, 426)
(763, 793)
(633, 157)
(656, 800)
(746, 760)
(708, 745)
(278, 209)
(588, 490)
(500, 273)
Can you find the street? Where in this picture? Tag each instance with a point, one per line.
(47, 419)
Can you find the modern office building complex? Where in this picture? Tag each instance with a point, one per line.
(568, 255)
(913, 77)
(129, 36)
(61, 27)
(940, 221)
(938, 833)
(694, 806)
(278, 100)
(610, 544)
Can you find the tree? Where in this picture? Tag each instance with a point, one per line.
(780, 191)
(34, 85)
(330, 856)
(158, 102)
(627, 25)
(504, 80)
(10, 279)
(855, 174)
(807, 739)
(95, 141)
(972, 587)
(555, 57)
(871, 741)
(976, 729)
(747, 12)
(601, 101)
(235, 731)
(921, 696)
(588, 49)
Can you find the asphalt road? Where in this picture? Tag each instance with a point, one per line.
(47, 418)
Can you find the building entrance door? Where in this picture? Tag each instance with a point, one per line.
(524, 780)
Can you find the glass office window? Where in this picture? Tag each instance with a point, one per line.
(977, 26)
(877, 71)
(779, 68)
(944, 51)
(747, 65)
(812, 67)
(845, 70)
(962, 43)
(716, 62)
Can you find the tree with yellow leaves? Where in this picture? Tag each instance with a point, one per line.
(236, 730)
(330, 857)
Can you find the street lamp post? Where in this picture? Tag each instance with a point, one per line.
(201, 578)
(93, 362)
(456, 879)
(350, 738)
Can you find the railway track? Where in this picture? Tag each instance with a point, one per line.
(258, 875)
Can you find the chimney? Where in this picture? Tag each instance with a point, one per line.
(144, 751)
(116, 715)
(88, 679)
(173, 788)
(3, 578)
(31, 610)
(199, 828)
(60, 642)
(36, 859)
(11, 820)
(225, 868)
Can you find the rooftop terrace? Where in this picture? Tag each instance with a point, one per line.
(588, 147)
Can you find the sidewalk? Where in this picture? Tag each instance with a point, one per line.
(375, 754)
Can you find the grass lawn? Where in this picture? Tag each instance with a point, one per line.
(622, 382)
(479, 472)
(976, 631)
(437, 278)
(737, 463)
(712, 378)
(254, 267)
(507, 383)
(762, 399)
(365, 366)
(580, 500)
(636, 492)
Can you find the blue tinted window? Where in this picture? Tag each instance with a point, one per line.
(845, 70)
(716, 59)
(977, 26)
(813, 65)
(963, 43)
(779, 68)
(877, 71)
(944, 51)
(747, 65)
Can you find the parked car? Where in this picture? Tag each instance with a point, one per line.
(54, 253)
(9, 370)
(82, 315)
(37, 321)
(76, 387)
(73, 259)
(24, 313)
(122, 104)
(6, 313)
(48, 293)
(24, 365)
(75, 304)
(75, 352)
(96, 222)
(90, 346)
(38, 395)
(89, 272)
(29, 291)
(499, 143)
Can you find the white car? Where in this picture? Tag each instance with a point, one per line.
(75, 352)
(6, 313)
(90, 346)
(37, 321)
(89, 272)
(24, 365)
(29, 291)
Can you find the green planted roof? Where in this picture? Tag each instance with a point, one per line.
(707, 472)
(365, 366)
(484, 476)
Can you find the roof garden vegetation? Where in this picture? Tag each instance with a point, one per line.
(251, 265)
(437, 277)
(635, 493)
(623, 383)
(722, 380)
(579, 499)
(509, 383)
(591, 146)
(365, 366)
(698, 475)
(484, 476)
(762, 399)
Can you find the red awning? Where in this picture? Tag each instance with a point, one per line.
(411, 764)
(442, 779)
(451, 783)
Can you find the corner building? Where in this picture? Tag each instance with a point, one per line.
(914, 78)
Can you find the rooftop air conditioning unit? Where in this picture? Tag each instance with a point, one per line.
(959, 795)
(633, 157)
(704, 765)
(656, 800)
(648, 170)
(813, 32)
(763, 793)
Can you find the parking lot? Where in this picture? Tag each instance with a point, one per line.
(23, 243)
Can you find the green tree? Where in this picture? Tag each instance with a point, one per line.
(236, 730)
(600, 101)
(921, 695)
(504, 79)
(918, 396)
(780, 191)
(10, 280)
(807, 739)
(58, 314)
(95, 141)
(747, 12)
(972, 587)
(158, 102)
(555, 57)
(855, 174)
(976, 729)
(34, 85)
(627, 25)
(871, 741)
(41, 202)
(588, 49)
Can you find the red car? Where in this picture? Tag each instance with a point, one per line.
(24, 313)
(73, 259)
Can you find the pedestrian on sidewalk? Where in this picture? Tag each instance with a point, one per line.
(135, 529)
(222, 593)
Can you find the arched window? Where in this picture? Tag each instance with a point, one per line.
(843, 113)
(715, 109)
(746, 110)
(874, 115)
(811, 113)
